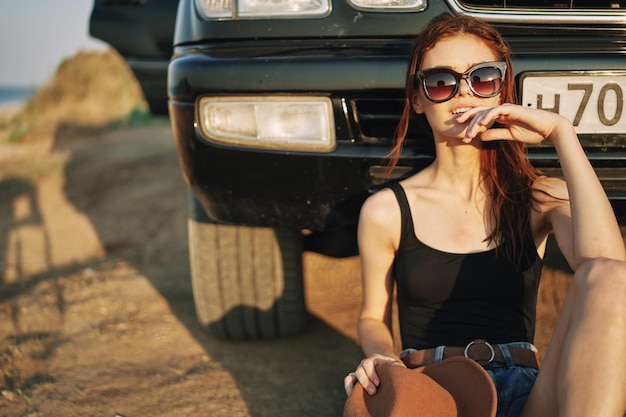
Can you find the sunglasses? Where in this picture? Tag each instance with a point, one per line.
(441, 84)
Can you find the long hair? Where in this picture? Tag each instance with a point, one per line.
(506, 173)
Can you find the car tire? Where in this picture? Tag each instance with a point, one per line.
(247, 281)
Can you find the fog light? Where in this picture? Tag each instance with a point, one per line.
(259, 9)
(288, 123)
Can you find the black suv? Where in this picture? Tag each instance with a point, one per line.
(283, 112)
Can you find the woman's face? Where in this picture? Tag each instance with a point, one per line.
(459, 53)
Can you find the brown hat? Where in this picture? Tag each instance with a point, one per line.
(455, 387)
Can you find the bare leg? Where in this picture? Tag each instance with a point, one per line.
(584, 370)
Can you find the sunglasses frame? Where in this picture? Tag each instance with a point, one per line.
(420, 77)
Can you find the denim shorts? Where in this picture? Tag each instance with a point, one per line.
(513, 383)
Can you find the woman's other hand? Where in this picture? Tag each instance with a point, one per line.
(511, 122)
(366, 375)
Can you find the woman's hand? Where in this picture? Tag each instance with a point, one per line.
(366, 375)
(511, 122)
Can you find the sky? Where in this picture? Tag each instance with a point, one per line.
(37, 35)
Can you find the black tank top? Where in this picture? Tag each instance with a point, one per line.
(451, 299)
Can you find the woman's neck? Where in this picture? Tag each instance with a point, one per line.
(458, 168)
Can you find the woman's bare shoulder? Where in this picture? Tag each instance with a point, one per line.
(550, 196)
(550, 190)
(379, 224)
(381, 208)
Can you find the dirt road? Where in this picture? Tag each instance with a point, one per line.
(96, 311)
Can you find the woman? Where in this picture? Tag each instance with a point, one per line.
(463, 239)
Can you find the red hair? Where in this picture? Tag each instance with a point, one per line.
(507, 174)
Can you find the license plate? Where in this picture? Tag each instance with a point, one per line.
(592, 101)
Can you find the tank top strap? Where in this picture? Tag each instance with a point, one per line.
(406, 219)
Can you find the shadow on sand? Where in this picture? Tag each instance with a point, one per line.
(132, 193)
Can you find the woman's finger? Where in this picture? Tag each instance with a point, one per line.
(496, 134)
(480, 120)
(476, 128)
(349, 381)
(471, 113)
(367, 375)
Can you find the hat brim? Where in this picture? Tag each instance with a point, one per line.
(455, 387)
(468, 383)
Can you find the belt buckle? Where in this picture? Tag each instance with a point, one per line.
(477, 343)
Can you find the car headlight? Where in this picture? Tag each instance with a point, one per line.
(389, 5)
(274, 122)
(255, 9)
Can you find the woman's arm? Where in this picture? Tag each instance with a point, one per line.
(377, 254)
(376, 236)
(592, 231)
(583, 222)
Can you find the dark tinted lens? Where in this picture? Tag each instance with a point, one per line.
(440, 85)
(486, 81)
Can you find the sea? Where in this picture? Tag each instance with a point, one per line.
(15, 96)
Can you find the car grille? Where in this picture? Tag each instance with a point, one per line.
(546, 5)
(374, 121)
(596, 12)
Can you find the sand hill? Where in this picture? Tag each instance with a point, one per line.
(89, 90)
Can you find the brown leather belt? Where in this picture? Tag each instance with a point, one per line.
(479, 350)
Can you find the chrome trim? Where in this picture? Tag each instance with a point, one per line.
(540, 16)
(389, 9)
(569, 73)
